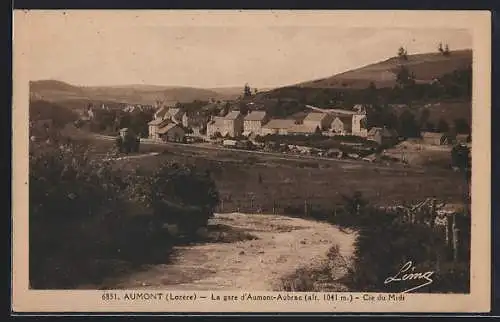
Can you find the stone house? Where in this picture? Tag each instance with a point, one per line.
(253, 122)
(383, 136)
(155, 125)
(317, 119)
(277, 126)
(229, 125)
(434, 138)
(172, 132)
(342, 124)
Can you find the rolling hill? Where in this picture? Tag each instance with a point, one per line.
(426, 67)
(56, 91)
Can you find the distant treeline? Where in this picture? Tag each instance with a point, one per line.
(456, 85)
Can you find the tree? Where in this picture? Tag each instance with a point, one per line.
(119, 144)
(181, 194)
(460, 157)
(443, 126)
(405, 78)
(440, 48)
(446, 51)
(424, 117)
(247, 91)
(371, 95)
(355, 204)
(408, 126)
(461, 126)
(429, 126)
(402, 53)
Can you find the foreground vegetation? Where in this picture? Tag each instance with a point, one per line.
(87, 216)
(385, 243)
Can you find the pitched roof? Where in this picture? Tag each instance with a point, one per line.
(232, 115)
(174, 112)
(161, 112)
(383, 131)
(167, 128)
(216, 120)
(158, 121)
(344, 118)
(301, 128)
(431, 134)
(315, 116)
(279, 124)
(336, 111)
(255, 116)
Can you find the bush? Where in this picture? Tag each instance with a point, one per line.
(385, 243)
(180, 194)
(79, 218)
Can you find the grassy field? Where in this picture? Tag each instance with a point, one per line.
(249, 182)
(425, 67)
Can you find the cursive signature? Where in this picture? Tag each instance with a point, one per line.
(407, 273)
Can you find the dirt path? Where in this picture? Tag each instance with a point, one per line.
(284, 244)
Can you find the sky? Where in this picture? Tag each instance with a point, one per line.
(95, 50)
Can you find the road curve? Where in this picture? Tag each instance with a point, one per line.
(284, 244)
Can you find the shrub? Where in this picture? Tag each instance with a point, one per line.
(78, 218)
(385, 243)
(180, 194)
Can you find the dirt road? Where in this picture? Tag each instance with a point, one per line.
(283, 245)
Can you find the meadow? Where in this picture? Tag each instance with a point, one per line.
(250, 183)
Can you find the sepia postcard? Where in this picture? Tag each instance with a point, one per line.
(251, 161)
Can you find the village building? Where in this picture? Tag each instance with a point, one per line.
(172, 113)
(434, 138)
(175, 114)
(216, 125)
(253, 122)
(357, 118)
(277, 126)
(230, 125)
(154, 127)
(342, 125)
(316, 119)
(359, 124)
(383, 136)
(160, 113)
(172, 132)
(194, 120)
(303, 129)
(87, 114)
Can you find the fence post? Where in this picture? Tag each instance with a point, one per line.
(305, 208)
(455, 238)
(433, 213)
